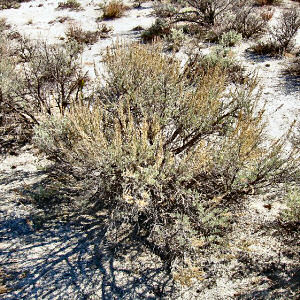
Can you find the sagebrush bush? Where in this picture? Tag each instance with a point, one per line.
(138, 3)
(215, 16)
(4, 25)
(164, 10)
(167, 150)
(268, 47)
(204, 12)
(284, 33)
(267, 14)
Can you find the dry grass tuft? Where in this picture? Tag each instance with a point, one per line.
(114, 9)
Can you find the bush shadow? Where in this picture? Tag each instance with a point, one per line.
(75, 258)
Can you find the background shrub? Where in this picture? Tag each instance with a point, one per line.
(5, 4)
(166, 149)
(247, 20)
(281, 36)
(284, 33)
(52, 76)
(215, 16)
(205, 12)
(71, 4)
(176, 38)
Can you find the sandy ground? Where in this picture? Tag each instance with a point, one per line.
(72, 260)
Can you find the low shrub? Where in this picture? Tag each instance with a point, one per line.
(164, 10)
(167, 150)
(220, 58)
(291, 214)
(4, 25)
(113, 9)
(6, 4)
(159, 29)
(240, 16)
(230, 38)
(138, 3)
(284, 33)
(293, 67)
(70, 4)
(203, 12)
(268, 47)
(76, 33)
(175, 39)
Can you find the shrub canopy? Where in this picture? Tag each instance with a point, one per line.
(168, 146)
